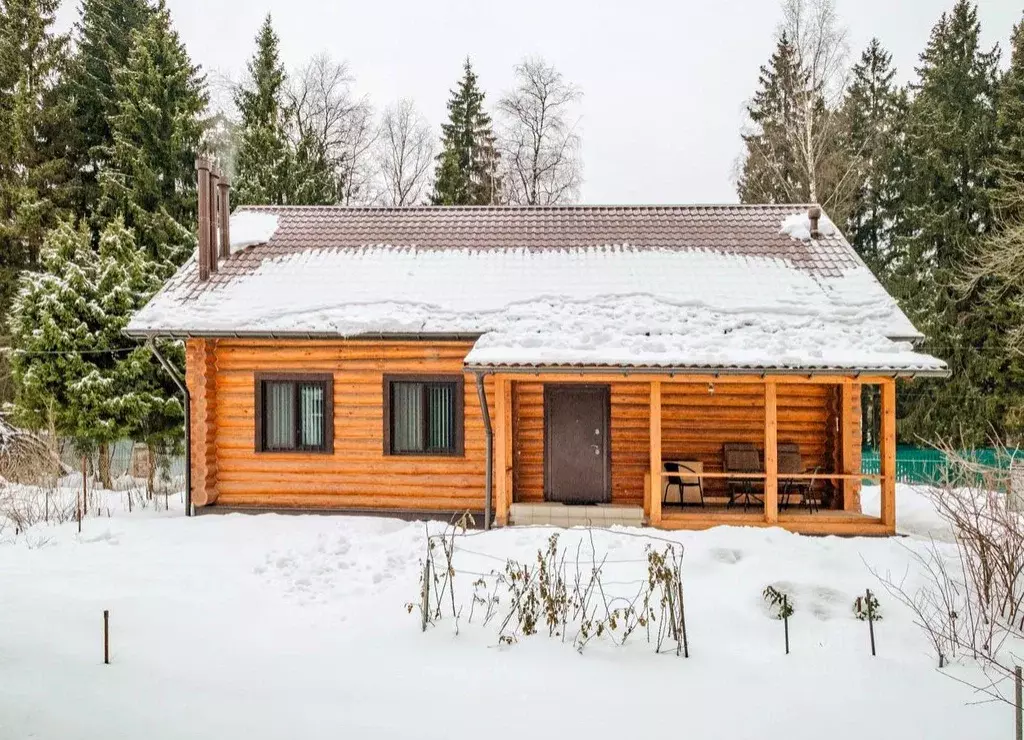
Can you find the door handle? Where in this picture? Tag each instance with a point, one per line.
(597, 449)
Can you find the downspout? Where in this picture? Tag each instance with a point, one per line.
(489, 463)
(169, 368)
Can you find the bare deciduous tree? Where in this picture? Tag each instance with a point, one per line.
(538, 138)
(325, 109)
(820, 40)
(405, 154)
(971, 601)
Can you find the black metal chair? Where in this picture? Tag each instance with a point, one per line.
(792, 462)
(681, 482)
(742, 457)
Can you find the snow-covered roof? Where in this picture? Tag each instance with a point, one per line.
(659, 287)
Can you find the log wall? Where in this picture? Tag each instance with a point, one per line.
(358, 474)
(697, 419)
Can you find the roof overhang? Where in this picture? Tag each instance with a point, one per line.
(537, 370)
(625, 370)
(366, 337)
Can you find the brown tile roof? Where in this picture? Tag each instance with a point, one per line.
(749, 230)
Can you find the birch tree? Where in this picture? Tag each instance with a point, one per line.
(820, 41)
(794, 143)
(538, 137)
(405, 154)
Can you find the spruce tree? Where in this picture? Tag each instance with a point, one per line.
(466, 172)
(103, 41)
(997, 274)
(150, 179)
(950, 151)
(53, 324)
(1010, 133)
(770, 173)
(873, 113)
(872, 124)
(263, 161)
(32, 58)
(78, 375)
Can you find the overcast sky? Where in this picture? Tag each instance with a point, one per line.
(664, 82)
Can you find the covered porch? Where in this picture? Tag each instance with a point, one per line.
(658, 447)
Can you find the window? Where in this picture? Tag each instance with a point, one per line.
(294, 413)
(423, 415)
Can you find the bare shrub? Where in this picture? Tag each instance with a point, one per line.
(23, 507)
(26, 458)
(560, 592)
(972, 602)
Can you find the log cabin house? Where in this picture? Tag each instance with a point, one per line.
(535, 364)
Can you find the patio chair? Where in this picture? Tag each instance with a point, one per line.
(689, 478)
(742, 457)
(792, 462)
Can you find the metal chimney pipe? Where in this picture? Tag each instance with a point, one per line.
(225, 217)
(214, 225)
(814, 215)
(202, 256)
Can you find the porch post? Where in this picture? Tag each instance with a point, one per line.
(502, 448)
(850, 434)
(654, 515)
(771, 454)
(888, 454)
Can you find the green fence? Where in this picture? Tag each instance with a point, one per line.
(927, 465)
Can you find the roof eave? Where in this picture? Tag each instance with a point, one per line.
(261, 334)
(763, 371)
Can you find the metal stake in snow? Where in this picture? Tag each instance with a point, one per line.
(106, 637)
(81, 504)
(785, 619)
(425, 604)
(871, 621)
(1018, 702)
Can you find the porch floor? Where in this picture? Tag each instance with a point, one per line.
(798, 520)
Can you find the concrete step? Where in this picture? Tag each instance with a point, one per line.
(562, 515)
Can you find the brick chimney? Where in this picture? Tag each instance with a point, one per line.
(205, 218)
(813, 215)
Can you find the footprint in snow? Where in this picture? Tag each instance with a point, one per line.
(725, 555)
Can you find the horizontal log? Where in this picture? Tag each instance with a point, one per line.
(346, 500)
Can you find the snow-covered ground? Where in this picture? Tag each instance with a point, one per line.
(295, 627)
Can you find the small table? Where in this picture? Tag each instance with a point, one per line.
(690, 472)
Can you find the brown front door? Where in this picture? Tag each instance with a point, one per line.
(576, 444)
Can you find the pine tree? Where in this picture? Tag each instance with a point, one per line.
(467, 167)
(770, 173)
(263, 159)
(950, 148)
(103, 41)
(150, 179)
(873, 113)
(32, 58)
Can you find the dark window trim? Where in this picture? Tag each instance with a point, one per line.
(325, 379)
(460, 418)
